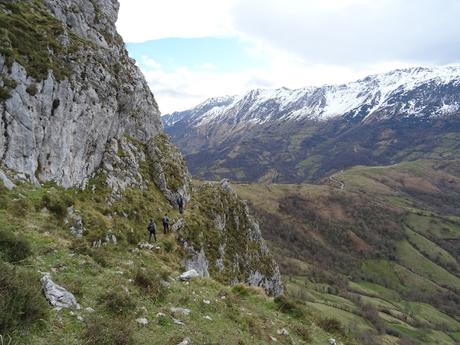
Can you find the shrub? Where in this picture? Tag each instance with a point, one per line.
(331, 325)
(21, 301)
(241, 290)
(118, 302)
(96, 224)
(57, 203)
(103, 331)
(12, 248)
(304, 333)
(99, 255)
(32, 89)
(407, 341)
(151, 283)
(168, 246)
(285, 305)
(133, 237)
(19, 207)
(254, 326)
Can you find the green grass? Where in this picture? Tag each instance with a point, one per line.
(409, 257)
(410, 332)
(374, 290)
(398, 283)
(347, 319)
(381, 272)
(433, 227)
(431, 250)
(431, 315)
(455, 335)
(122, 283)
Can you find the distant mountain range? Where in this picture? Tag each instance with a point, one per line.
(300, 135)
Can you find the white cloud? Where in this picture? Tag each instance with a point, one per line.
(143, 20)
(184, 88)
(308, 42)
(355, 32)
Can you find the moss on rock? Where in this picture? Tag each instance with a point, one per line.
(30, 35)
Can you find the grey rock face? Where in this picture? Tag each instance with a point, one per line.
(214, 249)
(56, 295)
(169, 170)
(75, 221)
(196, 261)
(178, 225)
(6, 181)
(121, 165)
(61, 132)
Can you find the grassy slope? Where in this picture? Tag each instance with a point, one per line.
(408, 280)
(37, 215)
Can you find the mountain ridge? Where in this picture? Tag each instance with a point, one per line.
(385, 84)
(316, 131)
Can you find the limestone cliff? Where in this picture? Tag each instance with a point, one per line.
(68, 88)
(76, 110)
(227, 240)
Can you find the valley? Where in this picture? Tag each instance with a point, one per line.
(380, 255)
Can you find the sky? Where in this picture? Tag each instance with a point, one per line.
(190, 51)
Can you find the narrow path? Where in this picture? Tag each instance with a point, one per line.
(341, 183)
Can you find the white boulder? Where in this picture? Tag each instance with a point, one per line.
(189, 275)
(56, 295)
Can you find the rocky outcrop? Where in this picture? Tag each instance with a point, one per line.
(196, 261)
(169, 170)
(75, 222)
(6, 181)
(128, 162)
(122, 165)
(56, 295)
(75, 109)
(56, 124)
(227, 241)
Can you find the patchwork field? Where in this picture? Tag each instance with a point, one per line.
(377, 248)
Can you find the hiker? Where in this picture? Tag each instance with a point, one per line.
(152, 228)
(180, 203)
(165, 221)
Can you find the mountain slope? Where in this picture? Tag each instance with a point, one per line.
(376, 246)
(301, 135)
(84, 165)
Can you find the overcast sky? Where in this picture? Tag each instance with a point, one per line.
(192, 50)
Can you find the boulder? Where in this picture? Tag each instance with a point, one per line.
(178, 322)
(142, 321)
(179, 224)
(56, 295)
(180, 311)
(282, 331)
(189, 275)
(148, 246)
(186, 341)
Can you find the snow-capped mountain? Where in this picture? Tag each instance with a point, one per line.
(221, 125)
(407, 87)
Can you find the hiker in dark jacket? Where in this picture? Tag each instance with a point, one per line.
(165, 221)
(180, 203)
(152, 228)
